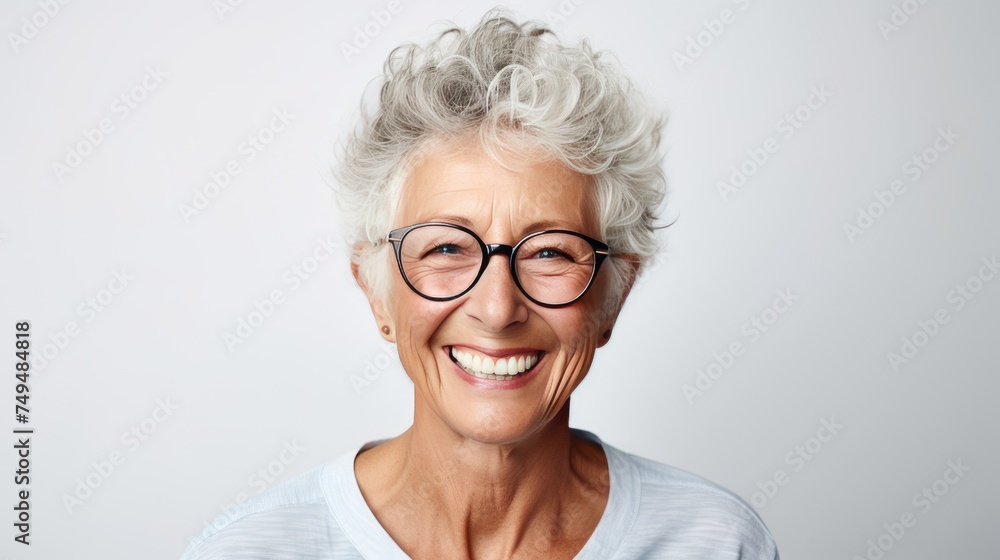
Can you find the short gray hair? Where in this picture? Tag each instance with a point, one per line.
(507, 85)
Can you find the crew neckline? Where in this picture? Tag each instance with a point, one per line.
(358, 523)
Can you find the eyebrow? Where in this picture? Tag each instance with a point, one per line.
(533, 227)
(459, 220)
(547, 224)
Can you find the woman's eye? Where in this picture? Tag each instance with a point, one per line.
(445, 250)
(551, 254)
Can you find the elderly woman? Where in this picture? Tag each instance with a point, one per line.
(502, 195)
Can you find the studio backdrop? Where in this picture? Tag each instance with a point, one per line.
(819, 334)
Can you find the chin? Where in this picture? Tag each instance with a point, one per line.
(496, 425)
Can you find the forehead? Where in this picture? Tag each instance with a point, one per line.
(466, 185)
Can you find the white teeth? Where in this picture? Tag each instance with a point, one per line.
(487, 367)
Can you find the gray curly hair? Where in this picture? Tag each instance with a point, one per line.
(507, 86)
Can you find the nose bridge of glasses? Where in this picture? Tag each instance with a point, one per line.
(493, 249)
(498, 249)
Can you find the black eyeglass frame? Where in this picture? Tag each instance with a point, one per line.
(396, 236)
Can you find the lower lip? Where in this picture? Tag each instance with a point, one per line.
(519, 381)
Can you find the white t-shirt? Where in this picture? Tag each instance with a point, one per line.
(653, 511)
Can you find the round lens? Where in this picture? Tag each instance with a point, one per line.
(440, 261)
(554, 268)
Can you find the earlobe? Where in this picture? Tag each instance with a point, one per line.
(605, 338)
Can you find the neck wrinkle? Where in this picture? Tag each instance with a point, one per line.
(489, 495)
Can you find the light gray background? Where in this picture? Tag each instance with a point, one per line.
(61, 242)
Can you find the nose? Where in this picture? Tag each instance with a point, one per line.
(495, 300)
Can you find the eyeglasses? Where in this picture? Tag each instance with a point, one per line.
(442, 261)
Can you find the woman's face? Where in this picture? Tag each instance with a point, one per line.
(494, 320)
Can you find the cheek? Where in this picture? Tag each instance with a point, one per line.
(602, 300)
(586, 326)
(576, 332)
(417, 322)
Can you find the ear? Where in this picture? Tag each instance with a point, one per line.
(609, 324)
(382, 317)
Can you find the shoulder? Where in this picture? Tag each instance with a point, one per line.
(292, 520)
(684, 515)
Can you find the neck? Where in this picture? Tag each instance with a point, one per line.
(485, 497)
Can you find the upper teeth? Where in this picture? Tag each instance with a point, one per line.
(511, 365)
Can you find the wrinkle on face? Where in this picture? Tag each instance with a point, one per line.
(501, 205)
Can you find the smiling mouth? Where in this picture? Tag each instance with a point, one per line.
(488, 367)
